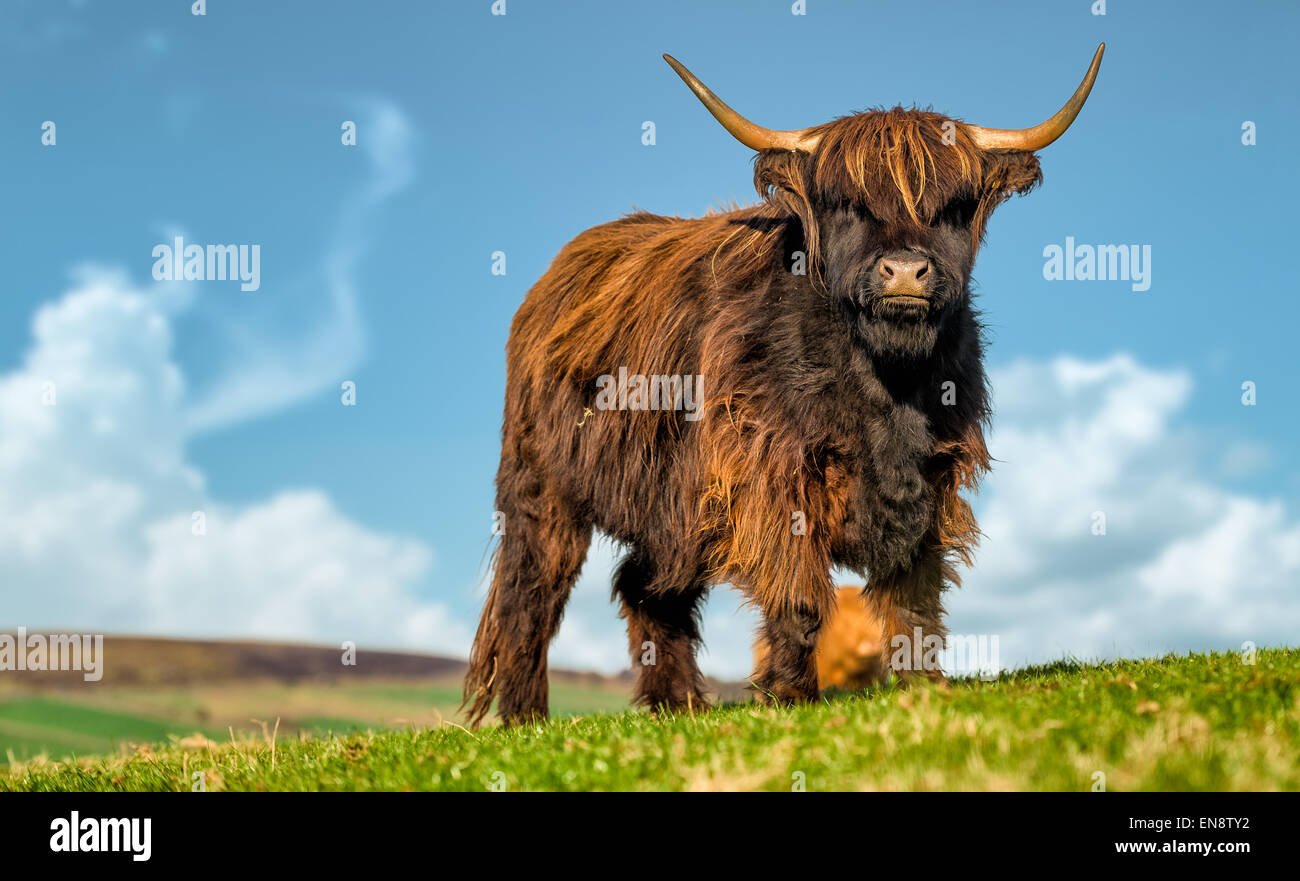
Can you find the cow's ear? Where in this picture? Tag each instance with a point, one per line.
(1010, 172)
(1006, 173)
(783, 178)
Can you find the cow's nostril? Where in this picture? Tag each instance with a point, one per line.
(886, 270)
(920, 273)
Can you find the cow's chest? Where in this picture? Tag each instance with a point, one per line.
(890, 505)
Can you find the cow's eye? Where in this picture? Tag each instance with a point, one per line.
(864, 214)
(959, 212)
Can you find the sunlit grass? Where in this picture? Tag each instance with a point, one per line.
(1180, 722)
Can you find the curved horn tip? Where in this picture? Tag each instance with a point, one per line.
(756, 137)
(1044, 133)
(1096, 58)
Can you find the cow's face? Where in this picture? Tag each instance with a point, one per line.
(897, 204)
(896, 284)
(893, 204)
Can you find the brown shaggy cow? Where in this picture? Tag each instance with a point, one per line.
(831, 331)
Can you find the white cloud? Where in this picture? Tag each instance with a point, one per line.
(96, 500)
(97, 497)
(289, 567)
(1184, 564)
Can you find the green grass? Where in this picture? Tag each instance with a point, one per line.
(1180, 723)
(34, 725)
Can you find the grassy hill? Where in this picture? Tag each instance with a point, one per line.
(1178, 723)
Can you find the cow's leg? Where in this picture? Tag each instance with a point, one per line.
(536, 563)
(787, 651)
(909, 603)
(663, 633)
(770, 510)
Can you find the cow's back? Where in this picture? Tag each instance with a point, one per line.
(634, 294)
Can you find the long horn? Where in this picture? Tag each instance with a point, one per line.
(755, 137)
(1044, 133)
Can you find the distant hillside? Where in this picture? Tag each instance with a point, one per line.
(146, 661)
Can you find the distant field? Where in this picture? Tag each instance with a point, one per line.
(103, 721)
(1196, 722)
(158, 690)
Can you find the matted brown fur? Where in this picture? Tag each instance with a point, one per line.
(825, 403)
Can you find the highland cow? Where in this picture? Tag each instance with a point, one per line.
(839, 360)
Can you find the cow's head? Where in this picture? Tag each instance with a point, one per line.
(893, 204)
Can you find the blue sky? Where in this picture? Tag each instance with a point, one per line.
(479, 133)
